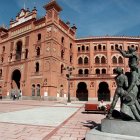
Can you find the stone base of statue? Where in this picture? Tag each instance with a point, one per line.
(115, 130)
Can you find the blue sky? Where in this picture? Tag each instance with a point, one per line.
(91, 17)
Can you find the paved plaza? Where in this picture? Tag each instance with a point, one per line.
(45, 120)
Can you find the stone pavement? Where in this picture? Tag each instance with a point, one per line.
(45, 120)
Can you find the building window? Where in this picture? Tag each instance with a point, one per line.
(62, 67)
(78, 48)
(80, 61)
(62, 40)
(70, 59)
(95, 48)
(2, 59)
(87, 48)
(83, 48)
(103, 71)
(136, 48)
(121, 47)
(37, 67)
(80, 71)
(97, 71)
(120, 60)
(70, 45)
(39, 36)
(116, 46)
(33, 90)
(11, 57)
(114, 60)
(114, 71)
(3, 48)
(97, 60)
(26, 53)
(86, 60)
(103, 47)
(0, 72)
(38, 51)
(128, 47)
(103, 60)
(86, 71)
(132, 46)
(99, 47)
(112, 47)
(38, 90)
(19, 50)
(62, 54)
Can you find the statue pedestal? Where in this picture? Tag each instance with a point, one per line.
(115, 130)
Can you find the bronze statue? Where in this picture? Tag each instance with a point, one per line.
(127, 90)
(122, 82)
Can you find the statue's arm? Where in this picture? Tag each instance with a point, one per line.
(128, 55)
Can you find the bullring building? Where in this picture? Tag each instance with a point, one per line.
(34, 53)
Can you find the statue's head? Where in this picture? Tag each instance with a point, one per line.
(132, 49)
(119, 70)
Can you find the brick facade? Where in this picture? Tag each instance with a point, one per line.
(34, 52)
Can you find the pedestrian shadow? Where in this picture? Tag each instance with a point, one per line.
(92, 125)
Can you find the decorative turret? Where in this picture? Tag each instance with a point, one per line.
(74, 27)
(53, 10)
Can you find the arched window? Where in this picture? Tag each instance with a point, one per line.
(114, 71)
(116, 46)
(103, 71)
(70, 45)
(97, 71)
(18, 50)
(37, 67)
(132, 46)
(121, 47)
(128, 47)
(103, 47)
(70, 58)
(26, 53)
(80, 71)
(2, 59)
(87, 48)
(0, 72)
(86, 71)
(95, 48)
(39, 36)
(33, 90)
(97, 60)
(99, 47)
(83, 48)
(114, 59)
(3, 48)
(86, 60)
(136, 48)
(78, 48)
(62, 40)
(80, 61)
(112, 47)
(103, 59)
(38, 90)
(11, 57)
(62, 67)
(38, 51)
(62, 54)
(120, 60)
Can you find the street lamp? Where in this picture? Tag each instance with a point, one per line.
(68, 76)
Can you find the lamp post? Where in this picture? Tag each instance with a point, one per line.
(68, 75)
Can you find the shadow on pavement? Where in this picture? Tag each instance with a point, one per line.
(91, 124)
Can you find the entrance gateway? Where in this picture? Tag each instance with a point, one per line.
(82, 92)
(103, 92)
